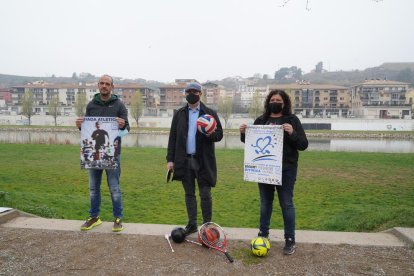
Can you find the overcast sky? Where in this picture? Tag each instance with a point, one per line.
(207, 40)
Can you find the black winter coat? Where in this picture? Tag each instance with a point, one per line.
(205, 149)
(291, 143)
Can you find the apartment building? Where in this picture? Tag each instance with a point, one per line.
(171, 98)
(247, 92)
(409, 99)
(150, 96)
(318, 100)
(44, 92)
(374, 99)
(213, 92)
(67, 94)
(5, 98)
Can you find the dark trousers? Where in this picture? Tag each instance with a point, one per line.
(191, 174)
(285, 195)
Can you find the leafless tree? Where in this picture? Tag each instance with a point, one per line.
(256, 106)
(136, 107)
(27, 105)
(225, 108)
(54, 107)
(80, 104)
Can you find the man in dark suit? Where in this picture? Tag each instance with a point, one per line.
(191, 155)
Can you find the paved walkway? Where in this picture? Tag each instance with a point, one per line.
(397, 236)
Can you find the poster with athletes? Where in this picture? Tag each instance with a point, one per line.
(263, 154)
(99, 143)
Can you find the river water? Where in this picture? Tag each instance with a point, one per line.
(228, 142)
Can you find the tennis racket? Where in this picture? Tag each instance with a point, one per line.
(213, 236)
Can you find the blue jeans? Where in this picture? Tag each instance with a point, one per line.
(95, 180)
(285, 195)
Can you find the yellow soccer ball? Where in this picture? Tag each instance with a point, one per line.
(260, 246)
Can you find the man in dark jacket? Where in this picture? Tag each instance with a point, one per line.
(191, 155)
(105, 104)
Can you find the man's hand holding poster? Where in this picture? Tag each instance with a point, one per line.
(263, 154)
(99, 143)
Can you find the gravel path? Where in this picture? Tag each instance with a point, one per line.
(46, 252)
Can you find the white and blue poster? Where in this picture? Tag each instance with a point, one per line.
(263, 154)
(100, 143)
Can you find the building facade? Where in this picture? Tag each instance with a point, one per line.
(171, 98)
(5, 99)
(409, 99)
(213, 92)
(150, 96)
(383, 99)
(318, 100)
(68, 93)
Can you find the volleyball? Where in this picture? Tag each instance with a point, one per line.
(206, 124)
(260, 246)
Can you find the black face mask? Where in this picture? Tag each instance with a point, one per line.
(275, 107)
(192, 98)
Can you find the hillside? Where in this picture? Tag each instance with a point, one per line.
(11, 80)
(398, 71)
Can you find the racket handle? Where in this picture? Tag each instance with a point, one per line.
(229, 257)
(193, 242)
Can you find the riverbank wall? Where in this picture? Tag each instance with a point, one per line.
(353, 124)
(231, 132)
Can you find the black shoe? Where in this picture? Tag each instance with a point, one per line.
(263, 234)
(290, 246)
(190, 228)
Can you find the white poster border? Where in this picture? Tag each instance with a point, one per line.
(263, 154)
(100, 143)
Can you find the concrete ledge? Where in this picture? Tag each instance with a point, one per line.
(12, 214)
(405, 234)
(8, 215)
(386, 239)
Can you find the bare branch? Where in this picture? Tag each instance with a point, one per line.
(307, 3)
(284, 3)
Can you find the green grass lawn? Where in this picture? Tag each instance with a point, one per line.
(338, 191)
